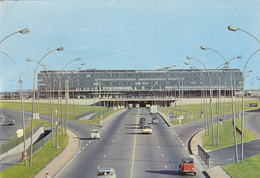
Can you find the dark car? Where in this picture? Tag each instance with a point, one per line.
(141, 120)
(142, 124)
(11, 122)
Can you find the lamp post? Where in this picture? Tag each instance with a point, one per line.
(21, 97)
(232, 98)
(243, 107)
(210, 101)
(29, 60)
(23, 31)
(233, 28)
(202, 93)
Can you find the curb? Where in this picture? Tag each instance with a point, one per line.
(63, 159)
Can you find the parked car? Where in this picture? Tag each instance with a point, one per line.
(11, 122)
(187, 166)
(142, 124)
(106, 172)
(155, 120)
(147, 130)
(95, 133)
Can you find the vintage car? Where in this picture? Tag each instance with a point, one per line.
(95, 133)
(187, 166)
(147, 130)
(106, 172)
(155, 120)
(11, 122)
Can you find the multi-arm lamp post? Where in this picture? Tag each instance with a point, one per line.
(29, 60)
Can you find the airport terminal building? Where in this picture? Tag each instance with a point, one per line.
(171, 83)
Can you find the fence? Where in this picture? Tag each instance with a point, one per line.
(204, 155)
(8, 146)
(37, 146)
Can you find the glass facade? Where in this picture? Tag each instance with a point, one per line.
(138, 83)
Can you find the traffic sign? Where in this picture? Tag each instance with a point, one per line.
(184, 116)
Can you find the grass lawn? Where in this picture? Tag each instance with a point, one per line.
(195, 109)
(249, 168)
(39, 160)
(73, 110)
(226, 136)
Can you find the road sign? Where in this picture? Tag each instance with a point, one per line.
(19, 132)
(100, 118)
(184, 116)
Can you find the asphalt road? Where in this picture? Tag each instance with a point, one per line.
(124, 147)
(8, 132)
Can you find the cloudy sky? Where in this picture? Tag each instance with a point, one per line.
(121, 34)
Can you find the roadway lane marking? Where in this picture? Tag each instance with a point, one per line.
(98, 167)
(133, 157)
(180, 141)
(86, 145)
(113, 140)
(165, 166)
(89, 141)
(109, 147)
(159, 146)
(186, 148)
(162, 155)
(157, 140)
(83, 148)
(79, 151)
(182, 144)
(104, 155)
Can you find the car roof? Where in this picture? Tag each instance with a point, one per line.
(94, 130)
(105, 169)
(187, 159)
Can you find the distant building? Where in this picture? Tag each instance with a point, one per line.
(137, 83)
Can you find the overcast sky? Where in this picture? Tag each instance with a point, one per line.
(121, 34)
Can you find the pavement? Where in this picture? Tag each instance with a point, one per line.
(63, 160)
(70, 151)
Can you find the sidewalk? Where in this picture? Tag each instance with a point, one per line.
(60, 161)
(212, 172)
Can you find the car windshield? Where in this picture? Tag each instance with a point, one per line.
(94, 131)
(147, 127)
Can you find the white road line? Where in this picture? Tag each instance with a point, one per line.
(83, 148)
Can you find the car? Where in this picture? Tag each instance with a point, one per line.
(141, 120)
(147, 130)
(95, 133)
(187, 166)
(155, 120)
(142, 124)
(105, 172)
(11, 122)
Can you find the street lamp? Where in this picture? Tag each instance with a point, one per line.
(232, 98)
(21, 97)
(243, 107)
(202, 94)
(29, 60)
(23, 31)
(210, 101)
(232, 28)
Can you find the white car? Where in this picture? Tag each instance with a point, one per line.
(147, 129)
(106, 172)
(95, 133)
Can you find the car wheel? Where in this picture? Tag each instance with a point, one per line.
(194, 173)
